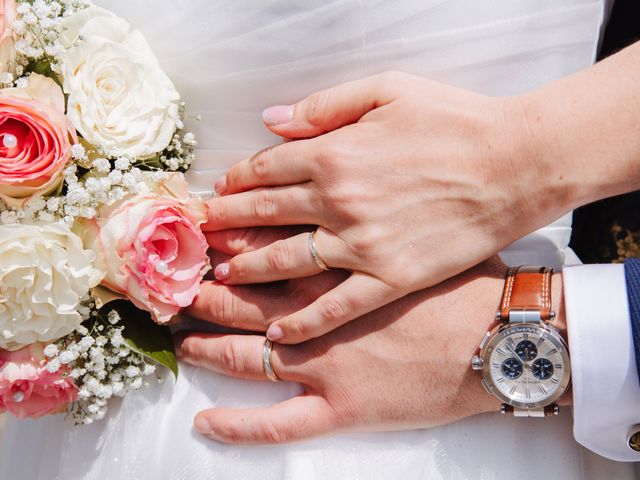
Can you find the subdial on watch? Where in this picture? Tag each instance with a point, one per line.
(542, 369)
(512, 368)
(526, 350)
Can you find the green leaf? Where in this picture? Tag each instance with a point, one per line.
(144, 336)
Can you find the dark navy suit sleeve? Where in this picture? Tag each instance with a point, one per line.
(632, 274)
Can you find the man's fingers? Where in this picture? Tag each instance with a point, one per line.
(356, 296)
(330, 109)
(240, 240)
(253, 307)
(298, 418)
(236, 355)
(248, 308)
(278, 206)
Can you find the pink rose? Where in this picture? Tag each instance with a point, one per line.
(7, 17)
(35, 139)
(28, 389)
(7, 50)
(152, 248)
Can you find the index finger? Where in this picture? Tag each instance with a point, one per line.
(284, 164)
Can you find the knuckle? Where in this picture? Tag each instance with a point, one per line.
(217, 211)
(333, 309)
(223, 307)
(190, 349)
(228, 432)
(272, 433)
(264, 205)
(261, 163)
(316, 107)
(365, 239)
(297, 328)
(330, 154)
(229, 359)
(237, 268)
(280, 257)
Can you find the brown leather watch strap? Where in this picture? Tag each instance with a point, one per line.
(527, 288)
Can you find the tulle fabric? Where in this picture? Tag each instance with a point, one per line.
(231, 59)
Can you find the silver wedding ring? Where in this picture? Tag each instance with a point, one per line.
(313, 249)
(266, 361)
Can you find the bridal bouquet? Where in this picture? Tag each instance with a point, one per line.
(100, 241)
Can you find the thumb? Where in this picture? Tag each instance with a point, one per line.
(333, 108)
(297, 418)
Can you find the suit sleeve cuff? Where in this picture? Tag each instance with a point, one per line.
(606, 391)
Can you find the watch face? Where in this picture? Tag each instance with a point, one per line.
(527, 365)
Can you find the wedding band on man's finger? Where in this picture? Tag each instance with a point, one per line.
(241, 356)
(267, 351)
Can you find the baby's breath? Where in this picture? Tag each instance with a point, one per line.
(100, 362)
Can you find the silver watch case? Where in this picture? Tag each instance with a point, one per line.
(492, 338)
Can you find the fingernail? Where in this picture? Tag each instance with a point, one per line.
(177, 345)
(221, 185)
(202, 425)
(274, 333)
(278, 115)
(222, 271)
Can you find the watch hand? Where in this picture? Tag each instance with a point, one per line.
(515, 354)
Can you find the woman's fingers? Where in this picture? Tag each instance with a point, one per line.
(297, 418)
(240, 240)
(281, 260)
(279, 206)
(237, 355)
(357, 295)
(284, 164)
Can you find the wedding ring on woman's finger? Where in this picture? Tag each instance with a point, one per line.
(313, 249)
(266, 361)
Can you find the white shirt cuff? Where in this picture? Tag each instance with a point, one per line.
(606, 390)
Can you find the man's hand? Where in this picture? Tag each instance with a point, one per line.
(404, 366)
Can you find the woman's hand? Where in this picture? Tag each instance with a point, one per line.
(410, 182)
(404, 366)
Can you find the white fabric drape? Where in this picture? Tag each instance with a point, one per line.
(231, 59)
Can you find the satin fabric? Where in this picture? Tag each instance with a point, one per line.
(232, 59)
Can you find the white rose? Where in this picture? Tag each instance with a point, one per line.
(44, 272)
(119, 97)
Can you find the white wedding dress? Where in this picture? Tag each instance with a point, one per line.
(231, 59)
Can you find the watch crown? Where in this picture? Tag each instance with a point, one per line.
(476, 363)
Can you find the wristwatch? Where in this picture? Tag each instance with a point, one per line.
(524, 359)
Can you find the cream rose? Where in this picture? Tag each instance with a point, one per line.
(119, 97)
(44, 273)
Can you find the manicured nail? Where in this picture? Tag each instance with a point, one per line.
(274, 333)
(221, 185)
(278, 115)
(202, 425)
(222, 271)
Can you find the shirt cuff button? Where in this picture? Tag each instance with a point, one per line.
(634, 439)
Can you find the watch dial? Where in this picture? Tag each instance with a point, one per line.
(526, 350)
(542, 369)
(527, 364)
(512, 368)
